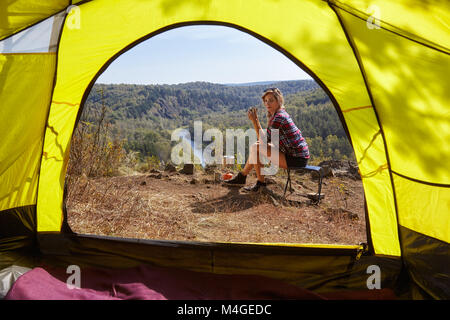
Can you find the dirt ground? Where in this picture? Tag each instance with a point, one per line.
(175, 206)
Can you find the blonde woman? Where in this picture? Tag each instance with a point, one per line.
(292, 147)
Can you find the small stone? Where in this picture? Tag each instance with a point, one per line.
(187, 169)
(170, 168)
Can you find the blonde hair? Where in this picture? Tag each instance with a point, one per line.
(278, 95)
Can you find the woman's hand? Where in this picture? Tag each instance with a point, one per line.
(252, 115)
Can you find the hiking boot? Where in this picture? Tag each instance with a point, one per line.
(256, 187)
(237, 181)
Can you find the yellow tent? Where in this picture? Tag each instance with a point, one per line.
(384, 64)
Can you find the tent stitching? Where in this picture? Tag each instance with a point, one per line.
(400, 32)
(369, 92)
(421, 181)
(26, 27)
(43, 153)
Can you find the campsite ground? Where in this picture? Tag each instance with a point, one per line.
(175, 206)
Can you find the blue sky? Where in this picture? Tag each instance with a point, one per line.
(201, 53)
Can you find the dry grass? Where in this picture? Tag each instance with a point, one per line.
(171, 208)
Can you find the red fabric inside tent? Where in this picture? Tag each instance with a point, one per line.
(153, 283)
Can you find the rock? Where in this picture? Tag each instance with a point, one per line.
(347, 214)
(352, 216)
(340, 168)
(353, 170)
(335, 164)
(315, 196)
(155, 175)
(270, 181)
(210, 168)
(339, 173)
(170, 168)
(326, 172)
(217, 177)
(193, 181)
(303, 185)
(188, 168)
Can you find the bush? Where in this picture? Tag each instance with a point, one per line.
(94, 150)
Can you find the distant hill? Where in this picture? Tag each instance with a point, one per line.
(259, 83)
(145, 115)
(183, 100)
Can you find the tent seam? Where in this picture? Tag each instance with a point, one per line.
(361, 67)
(422, 181)
(400, 32)
(48, 114)
(32, 24)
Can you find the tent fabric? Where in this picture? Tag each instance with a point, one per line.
(315, 268)
(19, 14)
(153, 283)
(384, 64)
(17, 227)
(149, 283)
(428, 262)
(424, 21)
(25, 104)
(25, 57)
(9, 276)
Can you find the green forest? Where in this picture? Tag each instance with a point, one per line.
(143, 117)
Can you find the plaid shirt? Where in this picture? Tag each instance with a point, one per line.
(291, 140)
